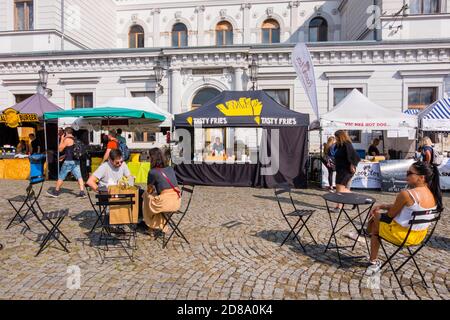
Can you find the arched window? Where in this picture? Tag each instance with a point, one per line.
(203, 96)
(136, 37)
(270, 31)
(179, 35)
(224, 33)
(318, 30)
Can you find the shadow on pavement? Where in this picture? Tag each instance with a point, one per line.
(314, 251)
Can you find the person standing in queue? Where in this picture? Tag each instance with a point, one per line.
(426, 149)
(329, 161)
(346, 159)
(112, 144)
(120, 138)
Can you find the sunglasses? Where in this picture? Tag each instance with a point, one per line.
(118, 162)
(410, 173)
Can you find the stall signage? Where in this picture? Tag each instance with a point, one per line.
(206, 121)
(244, 107)
(444, 172)
(13, 119)
(367, 176)
(366, 124)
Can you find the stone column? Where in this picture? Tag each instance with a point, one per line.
(294, 6)
(246, 34)
(238, 72)
(200, 25)
(156, 28)
(175, 90)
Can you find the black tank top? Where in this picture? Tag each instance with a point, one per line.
(69, 152)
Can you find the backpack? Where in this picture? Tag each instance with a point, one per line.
(125, 151)
(437, 158)
(79, 150)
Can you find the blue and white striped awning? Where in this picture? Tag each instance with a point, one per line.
(439, 110)
(412, 112)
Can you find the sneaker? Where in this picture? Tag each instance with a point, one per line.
(335, 210)
(354, 236)
(54, 193)
(374, 267)
(81, 195)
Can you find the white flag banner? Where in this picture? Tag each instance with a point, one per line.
(304, 67)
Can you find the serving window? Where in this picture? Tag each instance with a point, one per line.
(227, 145)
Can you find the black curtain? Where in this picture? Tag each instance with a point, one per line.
(8, 135)
(293, 157)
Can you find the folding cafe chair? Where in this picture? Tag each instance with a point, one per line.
(425, 218)
(24, 204)
(53, 231)
(115, 232)
(187, 192)
(94, 207)
(302, 216)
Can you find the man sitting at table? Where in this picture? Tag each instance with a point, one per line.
(110, 172)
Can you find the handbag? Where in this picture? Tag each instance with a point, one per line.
(169, 182)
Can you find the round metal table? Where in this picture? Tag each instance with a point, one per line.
(350, 202)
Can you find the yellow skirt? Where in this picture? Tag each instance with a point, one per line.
(154, 206)
(395, 233)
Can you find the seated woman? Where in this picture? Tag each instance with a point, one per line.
(424, 194)
(163, 193)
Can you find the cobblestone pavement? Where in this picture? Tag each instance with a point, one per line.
(234, 253)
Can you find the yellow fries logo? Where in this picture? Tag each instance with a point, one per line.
(13, 119)
(242, 108)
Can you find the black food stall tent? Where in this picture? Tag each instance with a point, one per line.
(248, 109)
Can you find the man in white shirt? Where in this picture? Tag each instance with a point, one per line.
(110, 172)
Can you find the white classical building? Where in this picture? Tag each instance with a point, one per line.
(96, 50)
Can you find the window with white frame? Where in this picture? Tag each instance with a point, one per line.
(136, 37)
(424, 6)
(23, 15)
(421, 97)
(224, 33)
(270, 31)
(179, 35)
(148, 94)
(282, 96)
(318, 30)
(82, 100)
(340, 93)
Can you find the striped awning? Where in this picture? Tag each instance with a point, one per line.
(439, 110)
(412, 112)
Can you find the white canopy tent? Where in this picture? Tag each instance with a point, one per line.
(357, 112)
(140, 103)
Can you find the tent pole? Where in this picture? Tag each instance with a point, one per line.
(321, 155)
(57, 147)
(46, 150)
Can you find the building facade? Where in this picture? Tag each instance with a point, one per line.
(397, 52)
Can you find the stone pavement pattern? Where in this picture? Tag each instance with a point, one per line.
(234, 253)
